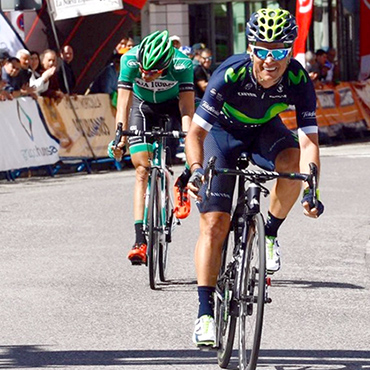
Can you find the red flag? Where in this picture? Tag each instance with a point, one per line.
(303, 17)
(364, 39)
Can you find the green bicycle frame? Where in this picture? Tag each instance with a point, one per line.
(157, 161)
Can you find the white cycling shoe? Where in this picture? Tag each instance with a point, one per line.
(205, 331)
(273, 262)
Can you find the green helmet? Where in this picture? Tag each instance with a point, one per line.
(272, 25)
(156, 51)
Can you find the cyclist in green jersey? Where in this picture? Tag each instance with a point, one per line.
(155, 79)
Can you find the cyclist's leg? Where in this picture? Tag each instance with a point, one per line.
(214, 226)
(279, 147)
(140, 150)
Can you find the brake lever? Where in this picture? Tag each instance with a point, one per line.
(312, 181)
(208, 175)
(118, 135)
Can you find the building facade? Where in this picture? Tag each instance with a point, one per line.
(221, 26)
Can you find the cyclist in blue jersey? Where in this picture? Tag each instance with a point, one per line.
(155, 79)
(240, 113)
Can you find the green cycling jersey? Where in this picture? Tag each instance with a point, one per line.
(178, 77)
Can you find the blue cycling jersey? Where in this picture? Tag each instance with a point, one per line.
(234, 99)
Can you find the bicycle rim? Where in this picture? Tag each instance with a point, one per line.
(252, 290)
(163, 247)
(225, 322)
(154, 226)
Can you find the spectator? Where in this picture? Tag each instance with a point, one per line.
(106, 81)
(202, 72)
(321, 58)
(4, 56)
(25, 73)
(121, 45)
(176, 41)
(197, 48)
(67, 56)
(35, 64)
(48, 61)
(188, 51)
(11, 69)
(333, 72)
(10, 74)
(39, 80)
(311, 65)
(4, 94)
(129, 45)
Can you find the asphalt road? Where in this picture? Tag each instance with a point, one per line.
(69, 298)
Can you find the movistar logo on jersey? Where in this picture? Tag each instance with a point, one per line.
(156, 85)
(296, 79)
(273, 111)
(231, 76)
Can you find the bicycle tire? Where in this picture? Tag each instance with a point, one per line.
(163, 247)
(252, 294)
(225, 321)
(154, 226)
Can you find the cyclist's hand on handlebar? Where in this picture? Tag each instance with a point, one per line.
(195, 183)
(116, 152)
(308, 202)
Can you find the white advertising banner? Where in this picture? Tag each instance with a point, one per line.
(9, 40)
(24, 141)
(65, 9)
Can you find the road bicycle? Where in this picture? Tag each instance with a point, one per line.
(242, 284)
(159, 218)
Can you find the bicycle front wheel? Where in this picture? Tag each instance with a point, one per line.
(225, 319)
(252, 294)
(154, 225)
(163, 247)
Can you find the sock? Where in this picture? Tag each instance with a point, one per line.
(206, 301)
(139, 232)
(272, 224)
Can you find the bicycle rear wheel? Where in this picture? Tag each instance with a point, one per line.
(225, 320)
(252, 294)
(163, 247)
(154, 226)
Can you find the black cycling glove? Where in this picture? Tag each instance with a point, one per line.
(308, 197)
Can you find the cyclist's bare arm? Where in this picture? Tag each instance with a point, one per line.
(186, 106)
(124, 102)
(309, 146)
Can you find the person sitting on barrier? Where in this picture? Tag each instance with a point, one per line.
(239, 113)
(155, 79)
(49, 60)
